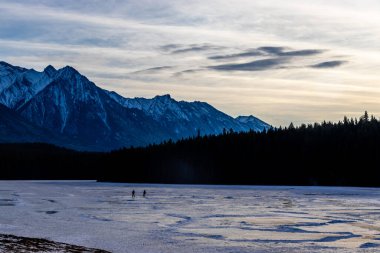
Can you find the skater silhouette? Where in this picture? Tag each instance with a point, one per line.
(144, 193)
(133, 194)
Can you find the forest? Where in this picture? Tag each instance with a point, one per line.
(345, 153)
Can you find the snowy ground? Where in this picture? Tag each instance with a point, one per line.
(193, 218)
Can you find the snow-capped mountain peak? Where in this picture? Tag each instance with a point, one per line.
(20, 85)
(8, 74)
(165, 97)
(253, 123)
(50, 71)
(246, 119)
(68, 72)
(7, 65)
(66, 103)
(186, 118)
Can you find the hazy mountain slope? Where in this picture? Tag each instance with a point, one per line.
(14, 128)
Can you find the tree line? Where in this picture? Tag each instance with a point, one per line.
(344, 153)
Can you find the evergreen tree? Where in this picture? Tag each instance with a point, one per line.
(365, 117)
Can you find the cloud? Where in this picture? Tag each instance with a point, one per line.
(170, 47)
(328, 64)
(180, 49)
(192, 49)
(248, 53)
(191, 71)
(281, 51)
(188, 71)
(153, 70)
(279, 57)
(258, 65)
(308, 52)
(272, 50)
(269, 51)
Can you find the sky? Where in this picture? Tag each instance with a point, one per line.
(282, 61)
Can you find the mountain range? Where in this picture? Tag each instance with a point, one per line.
(64, 108)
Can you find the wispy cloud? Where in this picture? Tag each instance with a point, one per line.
(258, 65)
(188, 71)
(328, 64)
(268, 51)
(170, 47)
(153, 70)
(282, 57)
(283, 51)
(181, 49)
(247, 53)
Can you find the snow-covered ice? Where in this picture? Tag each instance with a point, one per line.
(187, 218)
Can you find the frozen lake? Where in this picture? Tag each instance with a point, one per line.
(193, 218)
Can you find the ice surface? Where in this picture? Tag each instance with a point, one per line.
(188, 218)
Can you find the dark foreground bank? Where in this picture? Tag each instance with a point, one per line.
(11, 243)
